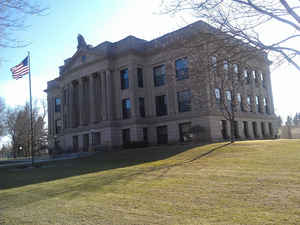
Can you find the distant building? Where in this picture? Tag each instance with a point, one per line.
(135, 90)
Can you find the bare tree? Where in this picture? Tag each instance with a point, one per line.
(247, 19)
(13, 14)
(2, 116)
(18, 129)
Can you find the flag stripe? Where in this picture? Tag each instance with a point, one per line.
(21, 69)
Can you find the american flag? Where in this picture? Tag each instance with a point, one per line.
(21, 69)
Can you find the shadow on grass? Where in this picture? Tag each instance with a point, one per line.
(11, 178)
(209, 152)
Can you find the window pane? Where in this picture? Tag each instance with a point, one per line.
(161, 105)
(124, 79)
(140, 77)
(159, 75)
(57, 104)
(181, 69)
(184, 101)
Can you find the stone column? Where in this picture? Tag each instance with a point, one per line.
(109, 101)
(81, 102)
(92, 96)
(103, 96)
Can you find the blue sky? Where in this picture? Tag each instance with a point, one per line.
(53, 38)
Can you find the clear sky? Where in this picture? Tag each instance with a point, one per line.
(54, 38)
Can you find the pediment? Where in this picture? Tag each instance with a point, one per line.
(80, 58)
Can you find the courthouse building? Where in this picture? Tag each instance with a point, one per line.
(153, 92)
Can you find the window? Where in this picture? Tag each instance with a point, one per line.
(263, 131)
(145, 135)
(96, 138)
(83, 58)
(240, 101)
(249, 103)
(126, 106)
(86, 142)
(266, 108)
(161, 105)
(162, 135)
(57, 104)
(185, 131)
(254, 126)
(228, 95)
(226, 66)
(58, 126)
(235, 68)
(75, 144)
(224, 129)
(214, 63)
(236, 129)
(253, 75)
(245, 126)
(181, 69)
(124, 79)
(140, 77)
(126, 136)
(159, 74)
(270, 129)
(257, 103)
(247, 77)
(184, 101)
(263, 80)
(142, 106)
(218, 95)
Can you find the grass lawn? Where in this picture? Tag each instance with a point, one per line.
(251, 182)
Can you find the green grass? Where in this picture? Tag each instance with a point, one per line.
(251, 182)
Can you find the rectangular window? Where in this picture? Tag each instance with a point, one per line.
(214, 63)
(235, 68)
(75, 144)
(257, 104)
(226, 66)
(224, 129)
(266, 108)
(96, 138)
(236, 129)
(218, 95)
(145, 135)
(249, 103)
(126, 108)
(184, 101)
(142, 106)
(185, 131)
(126, 136)
(247, 77)
(271, 129)
(181, 69)
(124, 79)
(228, 99)
(254, 126)
(161, 105)
(159, 75)
(239, 99)
(86, 142)
(58, 126)
(245, 126)
(162, 135)
(57, 104)
(263, 131)
(140, 78)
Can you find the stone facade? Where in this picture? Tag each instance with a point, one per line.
(148, 91)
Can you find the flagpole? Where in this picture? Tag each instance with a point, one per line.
(31, 127)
